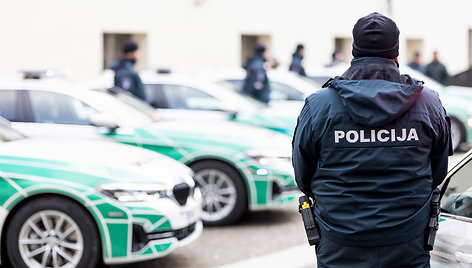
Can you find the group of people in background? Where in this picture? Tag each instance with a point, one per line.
(435, 69)
(256, 84)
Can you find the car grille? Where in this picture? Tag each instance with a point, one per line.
(141, 238)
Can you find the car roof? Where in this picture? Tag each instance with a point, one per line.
(195, 81)
(285, 77)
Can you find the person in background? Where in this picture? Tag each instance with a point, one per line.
(297, 57)
(370, 148)
(416, 63)
(126, 76)
(336, 58)
(437, 70)
(256, 84)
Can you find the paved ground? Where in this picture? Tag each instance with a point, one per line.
(272, 238)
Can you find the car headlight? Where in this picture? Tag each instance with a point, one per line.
(270, 158)
(469, 122)
(133, 192)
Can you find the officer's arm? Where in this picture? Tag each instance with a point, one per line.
(442, 148)
(303, 154)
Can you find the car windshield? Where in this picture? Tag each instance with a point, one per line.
(132, 101)
(7, 133)
(126, 107)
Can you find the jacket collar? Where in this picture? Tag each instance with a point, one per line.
(370, 68)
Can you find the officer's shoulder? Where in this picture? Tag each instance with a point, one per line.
(323, 95)
(429, 94)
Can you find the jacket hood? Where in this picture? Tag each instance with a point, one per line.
(375, 103)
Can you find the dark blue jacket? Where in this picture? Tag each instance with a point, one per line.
(370, 147)
(127, 78)
(296, 65)
(256, 84)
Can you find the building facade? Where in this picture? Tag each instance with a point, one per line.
(83, 37)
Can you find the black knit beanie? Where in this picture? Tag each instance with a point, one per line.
(129, 46)
(375, 36)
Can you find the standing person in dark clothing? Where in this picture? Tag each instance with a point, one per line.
(437, 70)
(125, 76)
(297, 57)
(336, 58)
(370, 148)
(256, 84)
(416, 63)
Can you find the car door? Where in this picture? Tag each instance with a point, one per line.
(53, 114)
(453, 245)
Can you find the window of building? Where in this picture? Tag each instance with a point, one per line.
(344, 45)
(413, 46)
(113, 48)
(249, 41)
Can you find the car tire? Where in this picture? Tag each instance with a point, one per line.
(457, 133)
(223, 191)
(59, 229)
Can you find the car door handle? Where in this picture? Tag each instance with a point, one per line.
(463, 257)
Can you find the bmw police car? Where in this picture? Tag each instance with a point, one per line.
(78, 203)
(238, 167)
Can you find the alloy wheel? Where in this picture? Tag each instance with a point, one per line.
(218, 192)
(50, 238)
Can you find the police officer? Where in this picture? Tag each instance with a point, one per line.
(125, 75)
(370, 147)
(256, 84)
(297, 57)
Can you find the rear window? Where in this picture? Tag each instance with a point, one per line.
(9, 106)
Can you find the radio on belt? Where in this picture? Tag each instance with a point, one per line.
(309, 220)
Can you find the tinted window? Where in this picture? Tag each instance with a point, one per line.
(155, 96)
(9, 106)
(233, 84)
(50, 107)
(180, 97)
(458, 197)
(281, 91)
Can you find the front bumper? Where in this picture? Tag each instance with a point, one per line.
(151, 230)
(272, 187)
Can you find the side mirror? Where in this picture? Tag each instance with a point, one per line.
(231, 110)
(103, 120)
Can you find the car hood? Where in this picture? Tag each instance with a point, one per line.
(106, 160)
(220, 134)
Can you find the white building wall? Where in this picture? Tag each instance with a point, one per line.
(193, 34)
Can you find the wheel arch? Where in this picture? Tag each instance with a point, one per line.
(462, 129)
(239, 170)
(36, 196)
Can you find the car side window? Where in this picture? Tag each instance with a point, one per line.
(457, 199)
(156, 96)
(281, 91)
(51, 107)
(180, 97)
(9, 106)
(234, 84)
(196, 99)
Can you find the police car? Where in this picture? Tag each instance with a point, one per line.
(238, 167)
(285, 86)
(178, 96)
(453, 245)
(75, 203)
